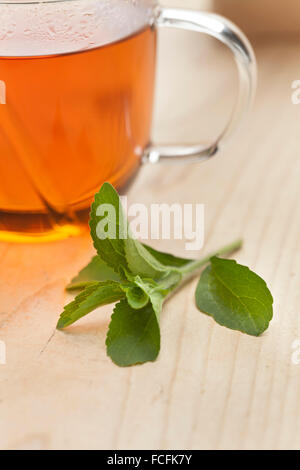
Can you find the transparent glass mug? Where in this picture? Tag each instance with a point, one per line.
(76, 96)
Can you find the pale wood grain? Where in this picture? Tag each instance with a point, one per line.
(210, 388)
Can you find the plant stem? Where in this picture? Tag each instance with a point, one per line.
(191, 270)
(226, 250)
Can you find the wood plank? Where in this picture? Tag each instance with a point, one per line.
(210, 388)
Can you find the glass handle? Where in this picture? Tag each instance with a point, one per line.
(226, 32)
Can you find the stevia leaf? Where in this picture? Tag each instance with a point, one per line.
(140, 260)
(133, 336)
(136, 297)
(168, 259)
(96, 270)
(109, 245)
(158, 291)
(92, 297)
(112, 240)
(235, 297)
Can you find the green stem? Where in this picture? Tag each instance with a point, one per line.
(226, 250)
(191, 270)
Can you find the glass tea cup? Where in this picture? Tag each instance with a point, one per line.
(76, 96)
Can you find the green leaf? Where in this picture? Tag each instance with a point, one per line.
(141, 262)
(140, 278)
(157, 291)
(112, 240)
(93, 296)
(151, 289)
(167, 259)
(235, 297)
(133, 336)
(109, 245)
(96, 270)
(136, 297)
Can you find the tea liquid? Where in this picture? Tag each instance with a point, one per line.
(71, 121)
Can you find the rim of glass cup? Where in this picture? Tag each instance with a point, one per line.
(34, 2)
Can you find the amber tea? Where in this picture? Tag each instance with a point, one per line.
(76, 94)
(69, 122)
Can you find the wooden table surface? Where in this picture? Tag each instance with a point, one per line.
(211, 388)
